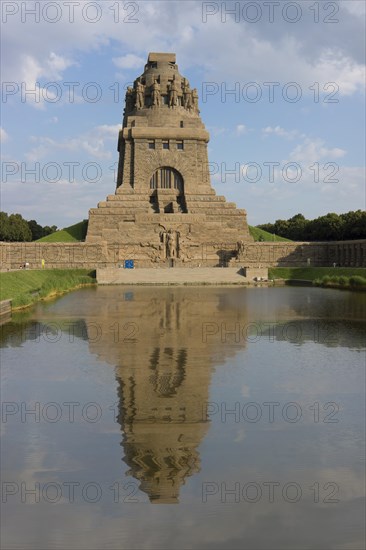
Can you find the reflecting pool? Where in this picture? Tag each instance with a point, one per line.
(185, 417)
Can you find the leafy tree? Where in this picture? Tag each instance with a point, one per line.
(14, 228)
(36, 230)
(4, 227)
(331, 227)
(326, 228)
(297, 227)
(281, 228)
(47, 230)
(354, 224)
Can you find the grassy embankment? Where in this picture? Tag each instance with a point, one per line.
(260, 235)
(332, 277)
(335, 277)
(77, 232)
(25, 287)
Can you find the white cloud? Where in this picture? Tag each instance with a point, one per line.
(217, 130)
(57, 64)
(281, 63)
(302, 52)
(240, 436)
(311, 179)
(241, 129)
(311, 151)
(347, 76)
(3, 135)
(279, 131)
(50, 68)
(93, 143)
(129, 61)
(356, 7)
(33, 70)
(280, 200)
(73, 199)
(108, 130)
(309, 166)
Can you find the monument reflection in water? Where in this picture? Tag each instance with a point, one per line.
(163, 369)
(153, 358)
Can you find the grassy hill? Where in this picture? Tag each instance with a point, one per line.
(261, 235)
(312, 273)
(76, 232)
(25, 287)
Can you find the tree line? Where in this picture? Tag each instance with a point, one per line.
(14, 227)
(331, 227)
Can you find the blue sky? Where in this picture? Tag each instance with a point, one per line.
(298, 148)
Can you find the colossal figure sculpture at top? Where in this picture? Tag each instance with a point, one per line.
(140, 95)
(163, 181)
(187, 95)
(195, 100)
(173, 93)
(156, 93)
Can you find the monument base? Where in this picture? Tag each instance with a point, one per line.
(179, 276)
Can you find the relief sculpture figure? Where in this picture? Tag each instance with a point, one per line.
(140, 95)
(155, 96)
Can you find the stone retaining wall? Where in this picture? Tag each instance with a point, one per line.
(5, 311)
(5, 307)
(181, 276)
(261, 254)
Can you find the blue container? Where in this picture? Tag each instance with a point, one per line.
(129, 264)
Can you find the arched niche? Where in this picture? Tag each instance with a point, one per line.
(167, 191)
(166, 177)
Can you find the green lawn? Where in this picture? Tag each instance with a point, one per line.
(260, 235)
(76, 232)
(24, 287)
(312, 273)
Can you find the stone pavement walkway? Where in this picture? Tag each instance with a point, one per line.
(172, 276)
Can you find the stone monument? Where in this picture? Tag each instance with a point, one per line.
(164, 211)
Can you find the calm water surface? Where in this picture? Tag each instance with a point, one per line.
(185, 418)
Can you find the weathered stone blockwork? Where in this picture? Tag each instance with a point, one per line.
(164, 211)
(164, 206)
(55, 255)
(91, 256)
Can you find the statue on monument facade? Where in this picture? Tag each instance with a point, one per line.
(130, 99)
(171, 245)
(173, 93)
(195, 101)
(187, 95)
(140, 95)
(170, 242)
(155, 96)
(240, 245)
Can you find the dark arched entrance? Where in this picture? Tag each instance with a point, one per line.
(167, 191)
